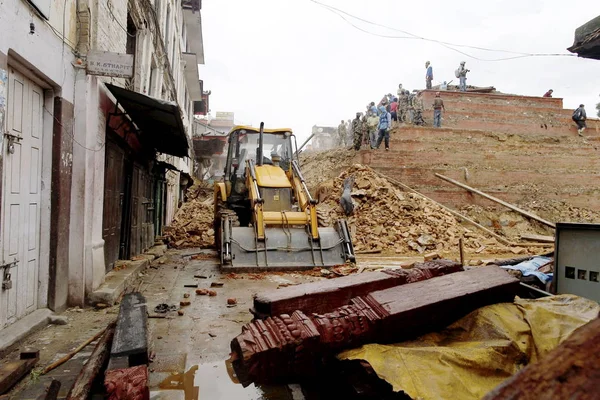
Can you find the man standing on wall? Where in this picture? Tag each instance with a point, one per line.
(385, 122)
(357, 131)
(438, 106)
(461, 74)
(372, 123)
(428, 75)
(341, 131)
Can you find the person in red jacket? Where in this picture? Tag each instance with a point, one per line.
(549, 93)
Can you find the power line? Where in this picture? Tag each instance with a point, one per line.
(71, 134)
(448, 45)
(117, 21)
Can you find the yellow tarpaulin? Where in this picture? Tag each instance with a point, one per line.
(478, 352)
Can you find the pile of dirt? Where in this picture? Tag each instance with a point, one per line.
(318, 167)
(390, 220)
(512, 224)
(192, 225)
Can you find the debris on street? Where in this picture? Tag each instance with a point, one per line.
(192, 225)
(261, 352)
(327, 295)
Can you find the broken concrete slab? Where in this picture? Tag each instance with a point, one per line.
(292, 346)
(324, 296)
(24, 327)
(118, 281)
(157, 251)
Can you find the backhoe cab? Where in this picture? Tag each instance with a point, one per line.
(265, 217)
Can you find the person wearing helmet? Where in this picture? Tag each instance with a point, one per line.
(438, 106)
(357, 130)
(461, 74)
(428, 75)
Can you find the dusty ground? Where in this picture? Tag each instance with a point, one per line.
(190, 352)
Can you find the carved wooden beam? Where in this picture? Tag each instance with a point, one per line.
(327, 295)
(292, 345)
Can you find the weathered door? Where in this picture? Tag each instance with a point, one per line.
(21, 197)
(114, 192)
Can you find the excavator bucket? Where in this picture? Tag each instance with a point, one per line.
(285, 248)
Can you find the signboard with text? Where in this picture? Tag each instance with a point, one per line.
(105, 63)
(227, 116)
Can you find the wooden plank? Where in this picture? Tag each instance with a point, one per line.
(131, 333)
(327, 295)
(51, 391)
(12, 372)
(570, 371)
(290, 347)
(538, 238)
(497, 200)
(81, 388)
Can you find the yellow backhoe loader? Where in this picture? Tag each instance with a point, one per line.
(265, 217)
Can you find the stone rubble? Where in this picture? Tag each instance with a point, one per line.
(388, 220)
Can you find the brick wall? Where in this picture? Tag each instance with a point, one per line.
(516, 148)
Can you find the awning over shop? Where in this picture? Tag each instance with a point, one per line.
(158, 120)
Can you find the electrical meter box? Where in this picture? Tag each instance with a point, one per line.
(577, 260)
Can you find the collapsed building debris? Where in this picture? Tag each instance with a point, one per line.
(323, 296)
(389, 220)
(570, 371)
(279, 348)
(192, 225)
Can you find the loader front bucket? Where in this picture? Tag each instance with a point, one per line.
(285, 248)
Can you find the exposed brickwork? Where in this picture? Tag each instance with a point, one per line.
(515, 147)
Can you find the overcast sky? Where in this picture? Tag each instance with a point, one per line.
(293, 63)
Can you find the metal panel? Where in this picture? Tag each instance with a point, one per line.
(577, 270)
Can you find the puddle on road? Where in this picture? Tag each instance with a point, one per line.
(217, 381)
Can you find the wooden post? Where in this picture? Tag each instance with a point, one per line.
(83, 383)
(461, 249)
(497, 200)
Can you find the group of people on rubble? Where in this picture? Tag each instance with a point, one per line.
(372, 127)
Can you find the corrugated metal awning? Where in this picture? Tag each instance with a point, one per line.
(158, 120)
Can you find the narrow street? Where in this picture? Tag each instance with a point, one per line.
(222, 200)
(189, 352)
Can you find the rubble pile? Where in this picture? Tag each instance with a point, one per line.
(192, 225)
(318, 167)
(512, 224)
(388, 220)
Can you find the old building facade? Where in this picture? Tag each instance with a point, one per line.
(92, 165)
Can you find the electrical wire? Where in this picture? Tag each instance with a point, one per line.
(71, 134)
(117, 21)
(340, 13)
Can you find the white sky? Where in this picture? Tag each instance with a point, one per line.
(293, 63)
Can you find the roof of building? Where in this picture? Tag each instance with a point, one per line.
(587, 40)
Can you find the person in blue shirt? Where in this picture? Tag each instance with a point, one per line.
(385, 124)
(428, 75)
(374, 109)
